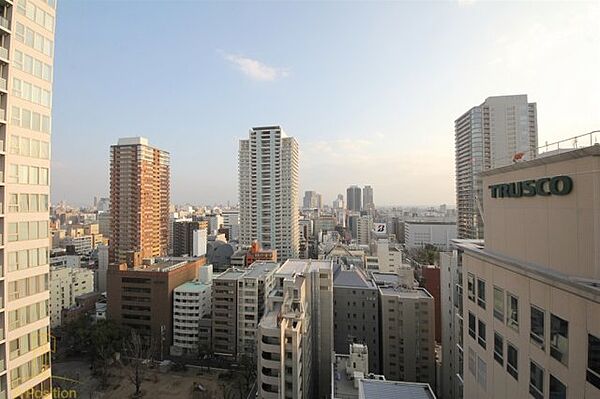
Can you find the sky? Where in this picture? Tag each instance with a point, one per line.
(369, 89)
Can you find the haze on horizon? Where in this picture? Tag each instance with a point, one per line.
(370, 90)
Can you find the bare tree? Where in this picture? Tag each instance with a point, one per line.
(138, 351)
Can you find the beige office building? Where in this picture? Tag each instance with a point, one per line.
(26, 59)
(407, 334)
(295, 336)
(532, 291)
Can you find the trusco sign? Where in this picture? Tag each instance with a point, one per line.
(557, 185)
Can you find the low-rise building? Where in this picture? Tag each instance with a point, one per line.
(418, 233)
(66, 283)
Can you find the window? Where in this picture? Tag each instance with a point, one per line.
(481, 293)
(558, 390)
(512, 360)
(472, 361)
(559, 339)
(471, 286)
(481, 372)
(513, 311)
(499, 304)
(499, 348)
(481, 332)
(536, 381)
(472, 325)
(537, 326)
(593, 361)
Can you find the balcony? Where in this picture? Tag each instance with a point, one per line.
(3, 113)
(4, 53)
(5, 23)
(3, 85)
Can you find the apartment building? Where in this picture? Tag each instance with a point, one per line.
(389, 256)
(192, 314)
(364, 229)
(27, 30)
(66, 284)
(183, 236)
(531, 298)
(356, 313)
(268, 189)
(407, 334)
(139, 200)
(141, 297)
(487, 136)
(295, 336)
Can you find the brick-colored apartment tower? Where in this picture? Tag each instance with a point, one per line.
(139, 200)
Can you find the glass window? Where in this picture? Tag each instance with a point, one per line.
(481, 333)
(499, 304)
(559, 339)
(12, 261)
(34, 175)
(34, 231)
(44, 150)
(23, 203)
(23, 262)
(513, 311)
(43, 256)
(481, 372)
(593, 361)
(14, 144)
(43, 229)
(34, 205)
(35, 148)
(512, 360)
(536, 381)
(33, 259)
(499, 348)
(472, 361)
(43, 176)
(537, 326)
(25, 117)
(24, 146)
(472, 324)
(23, 231)
(13, 173)
(13, 203)
(558, 390)
(481, 293)
(471, 286)
(36, 123)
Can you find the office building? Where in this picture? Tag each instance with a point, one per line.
(532, 296)
(192, 314)
(496, 133)
(268, 189)
(364, 229)
(407, 334)
(356, 313)
(389, 256)
(239, 299)
(367, 203)
(26, 59)
(354, 198)
(141, 297)
(183, 237)
(312, 200)
(66, 284)
(295, 336)
(139, 199)
(231, 221)
(419, 233)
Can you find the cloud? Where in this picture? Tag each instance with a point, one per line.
(465, 3)
(255, 69)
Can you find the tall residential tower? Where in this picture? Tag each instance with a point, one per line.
(268, 189)
(26, 59)
(139, 200)
(496, 133)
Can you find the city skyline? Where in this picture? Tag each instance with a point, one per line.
(399, 124)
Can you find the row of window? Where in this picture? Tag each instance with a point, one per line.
(33, 39)
(35, 14)
(33, 93)
(32, 120)
(31, 65)
(503, 305)
(20, 203)
(27, 147)
(23, 231)
(27, 174)
(28, 342)
(27, 286)
(27, 314)
(27, 258)
(29, 370)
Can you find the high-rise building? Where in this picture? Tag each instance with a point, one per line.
(26, 62)
(295, 336)
(183, 236)
(368, 204)
(364, 229)
(354, 198)
(139, 199)
(268, 189)
(498, 132)
(532, 288)
(312, 200)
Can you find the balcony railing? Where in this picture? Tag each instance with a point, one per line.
(4, 53)
(2, 113)
(3, 84)
(5, 23)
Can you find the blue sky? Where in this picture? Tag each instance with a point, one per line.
(370, 90)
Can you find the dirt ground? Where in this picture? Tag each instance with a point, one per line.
(156, 385)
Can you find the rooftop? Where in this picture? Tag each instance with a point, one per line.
(416, 293)
(352, 277)
(296, 266)
(376, 389)
(192, 286)
(260, 269)
(133, 141)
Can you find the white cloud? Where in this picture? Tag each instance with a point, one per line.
(255, 69)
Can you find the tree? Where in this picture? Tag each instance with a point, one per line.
(205, 353)
(248, 373)
(138, 352)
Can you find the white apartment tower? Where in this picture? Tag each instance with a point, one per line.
(26, 58)
(496, 133)
(268, 189)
